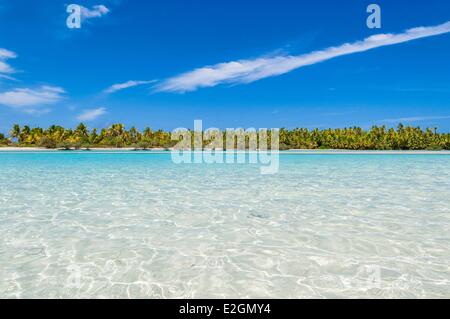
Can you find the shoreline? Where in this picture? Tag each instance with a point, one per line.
(94, 149)
(163, 150)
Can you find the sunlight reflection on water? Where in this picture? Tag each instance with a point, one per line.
(136, 225)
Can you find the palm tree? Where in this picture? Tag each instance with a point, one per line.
(3, 140)
(15, 131)
(24, 134)
(81, 133)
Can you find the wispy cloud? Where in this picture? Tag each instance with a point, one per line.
(5, 55)
(438, 90)
(28, 100)
(246, 71)
(414, 119)
(121, 86)
(31, 100)
(96, 11)
(7, 77)
(90, 115)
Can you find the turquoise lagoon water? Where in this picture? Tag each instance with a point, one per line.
(97, 225)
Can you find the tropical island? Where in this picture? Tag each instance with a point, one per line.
(117, 136)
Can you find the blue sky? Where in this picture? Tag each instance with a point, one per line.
(230, 63)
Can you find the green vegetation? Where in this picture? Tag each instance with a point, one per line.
(3, 140)
(355, 138)
(83, 138)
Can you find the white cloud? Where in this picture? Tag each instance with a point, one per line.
(37, 111)
(31, 100)
(246, 71)
(5, 68)
(4, 55)
(414, 119)
(96, 12)
(89, 115)
(126, 85)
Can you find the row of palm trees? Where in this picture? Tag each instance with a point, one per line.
(354, 138)
(81, 137)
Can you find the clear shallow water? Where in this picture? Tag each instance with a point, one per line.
(84, 225)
